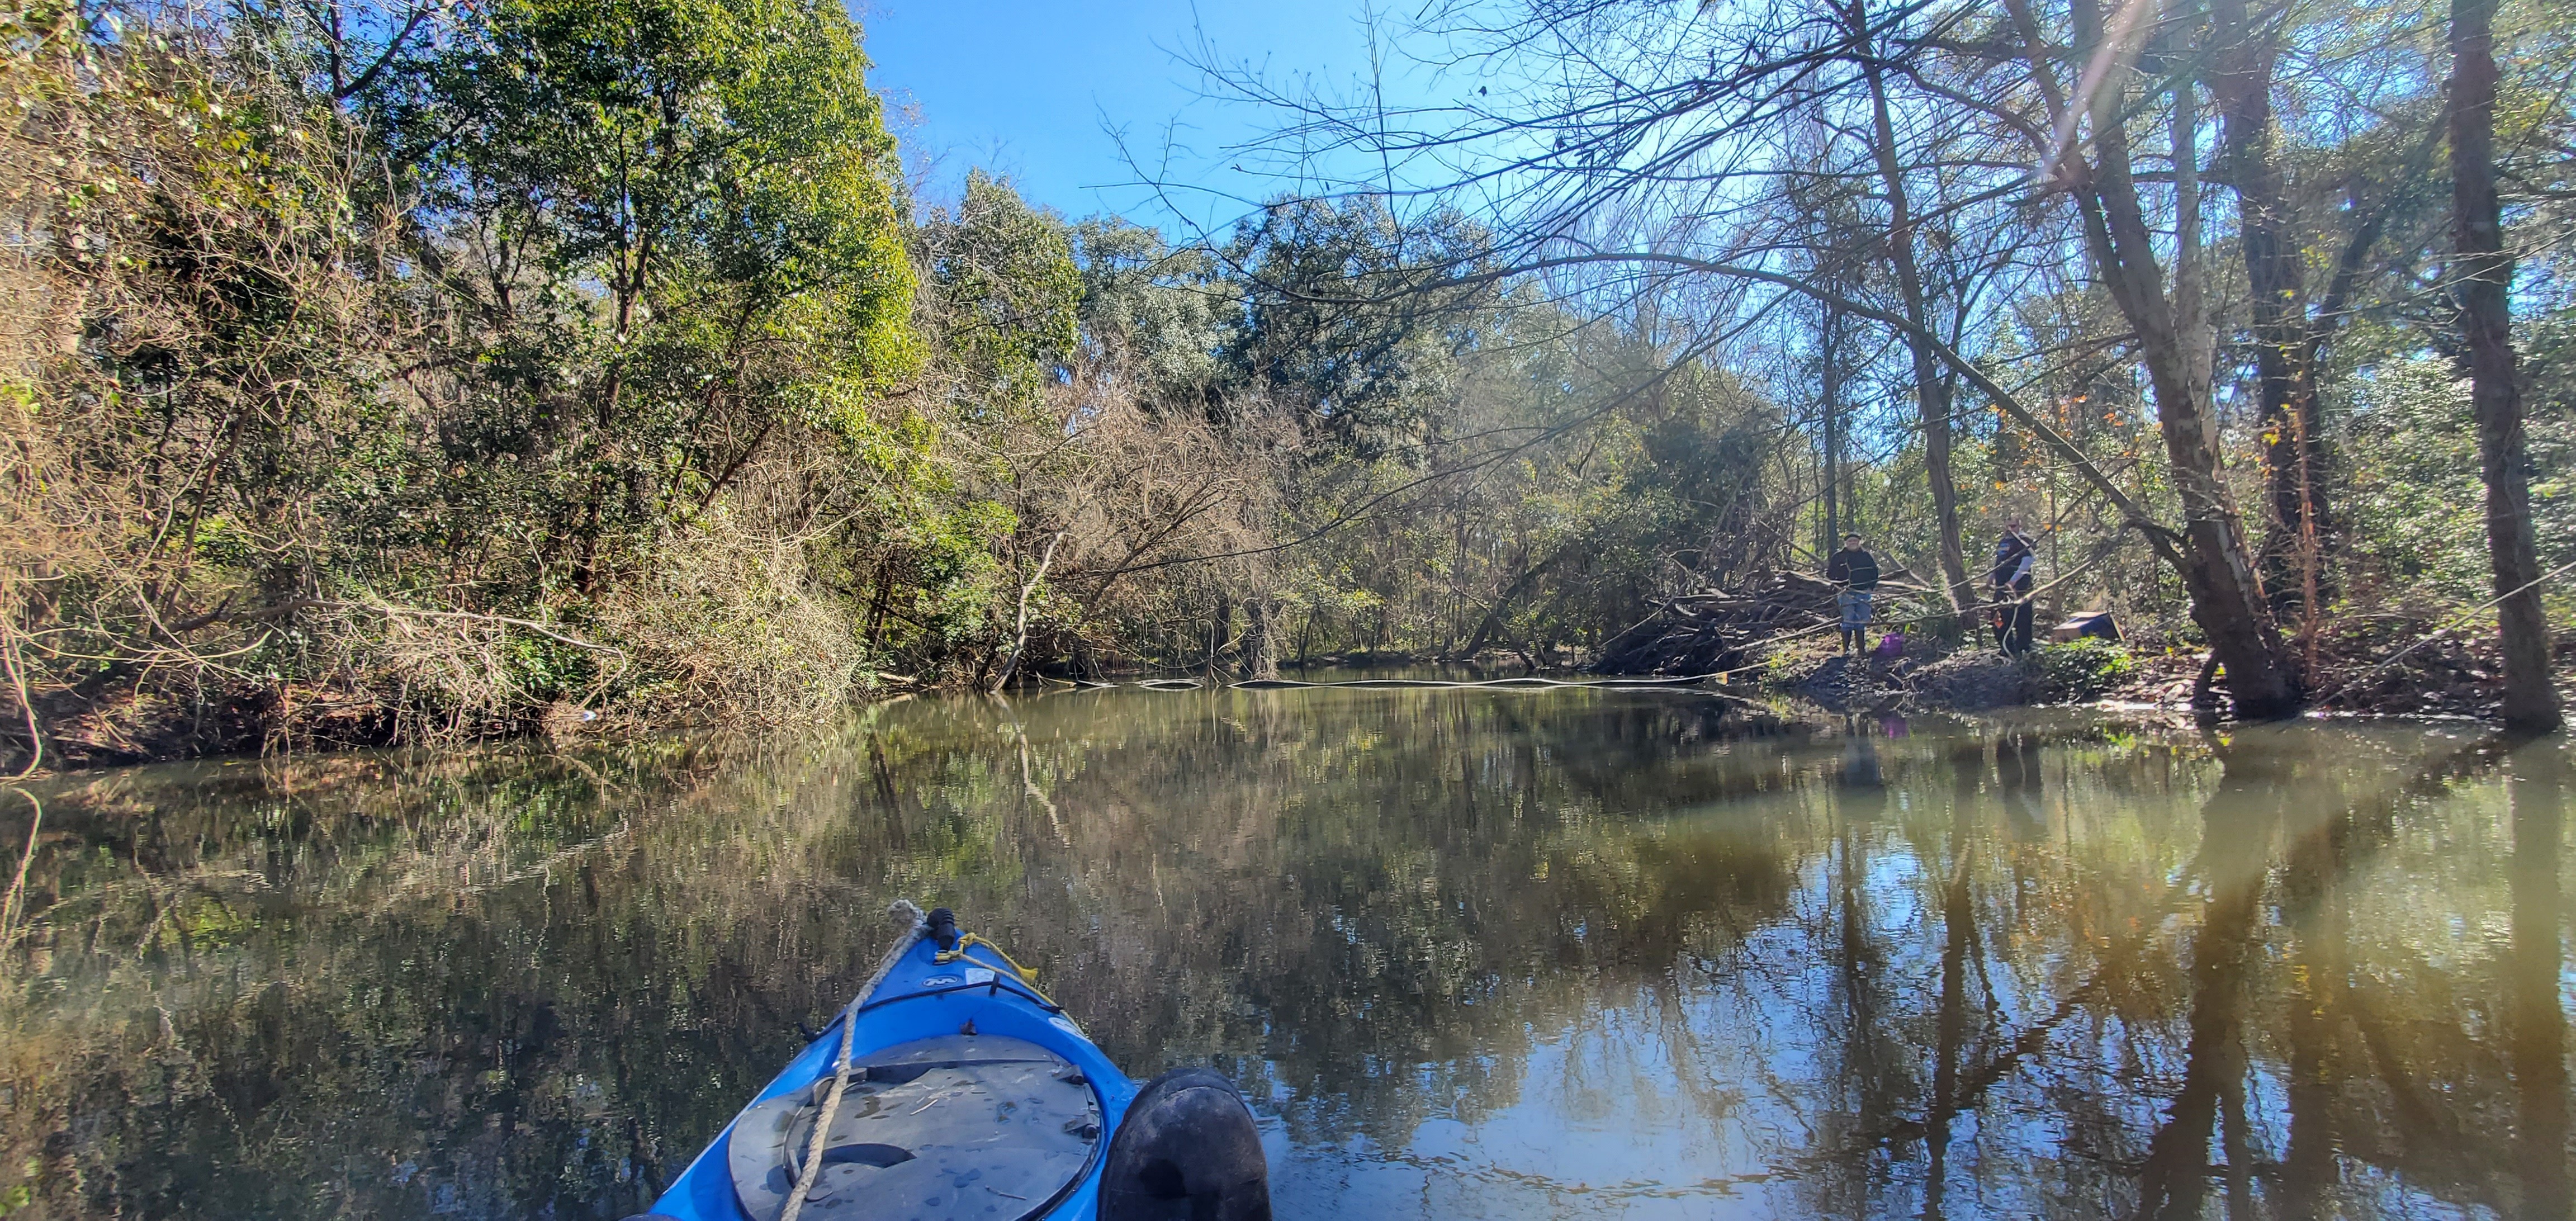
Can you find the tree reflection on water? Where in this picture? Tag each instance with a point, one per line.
(1472, 954)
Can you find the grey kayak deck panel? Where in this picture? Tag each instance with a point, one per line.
(954, 1128)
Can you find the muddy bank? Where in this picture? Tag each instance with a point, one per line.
(1963, 682)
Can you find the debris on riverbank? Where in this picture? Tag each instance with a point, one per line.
(1778, 630)
(2442, 678)
(1719, 630)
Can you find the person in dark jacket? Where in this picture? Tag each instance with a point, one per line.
(2016, 564)
(1855, 570)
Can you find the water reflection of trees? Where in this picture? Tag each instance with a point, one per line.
(2046, 968)
(2286, 1070)
(1366, 903)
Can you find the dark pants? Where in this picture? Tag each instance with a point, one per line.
(2012, 630)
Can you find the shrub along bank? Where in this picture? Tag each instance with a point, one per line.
(416, 373)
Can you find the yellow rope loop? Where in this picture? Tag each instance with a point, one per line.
(970, 940)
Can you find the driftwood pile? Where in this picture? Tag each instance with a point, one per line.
(1717, 630)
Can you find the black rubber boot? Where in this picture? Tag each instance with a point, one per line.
(1187, 1151)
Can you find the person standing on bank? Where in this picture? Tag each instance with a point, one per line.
(2016, 563)
(1856, 571)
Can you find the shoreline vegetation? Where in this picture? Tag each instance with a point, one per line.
(415, 374)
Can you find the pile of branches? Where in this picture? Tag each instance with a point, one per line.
(1718, 630)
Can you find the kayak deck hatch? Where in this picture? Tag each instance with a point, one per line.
(949, 1128)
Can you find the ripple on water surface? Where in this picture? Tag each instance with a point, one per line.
(1471, 953)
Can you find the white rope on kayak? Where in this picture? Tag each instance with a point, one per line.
(910, 916)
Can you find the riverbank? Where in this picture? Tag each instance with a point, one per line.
(111, 725)
(2427, 675)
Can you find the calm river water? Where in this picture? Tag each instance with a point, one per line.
(1470, 953)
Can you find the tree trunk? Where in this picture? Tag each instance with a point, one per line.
(1020, 628)
(1832, 378)
(2482, 277)
(877, 603)
(1931, 390)
(2285, 345)
(2199, 339)
(2227, 599)
(1260, 638)
(1220, 630)
(1503, 602)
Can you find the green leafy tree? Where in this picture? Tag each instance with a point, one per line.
(1007, 297)
(1351, 312)
(676, 230)
(1161, 312)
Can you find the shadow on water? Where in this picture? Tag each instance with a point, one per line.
(1472, 953)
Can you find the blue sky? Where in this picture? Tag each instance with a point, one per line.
(1024, 87)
